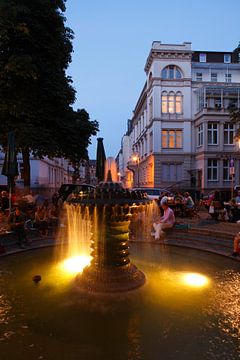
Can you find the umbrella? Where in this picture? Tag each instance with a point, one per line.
(10, 165)
(101, 158)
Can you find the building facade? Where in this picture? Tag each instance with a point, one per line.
(180, 131)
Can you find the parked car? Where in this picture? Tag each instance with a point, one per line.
(154, 193)
(67, 189)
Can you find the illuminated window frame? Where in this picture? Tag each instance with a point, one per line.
(172, 138)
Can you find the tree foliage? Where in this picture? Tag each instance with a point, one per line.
(36, 95)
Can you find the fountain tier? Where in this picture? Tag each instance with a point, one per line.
(111, 208)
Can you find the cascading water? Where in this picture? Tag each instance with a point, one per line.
(110, 209)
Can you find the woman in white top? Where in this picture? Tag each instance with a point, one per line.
(166, 221)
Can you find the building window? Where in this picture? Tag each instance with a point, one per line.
(151, 142)
(214, 77)
(228, 78)
(227, 58)
(172, 139)
(171, 172)
(212, 172)
(212, 133)
(151, 109)
(198, 76)
(171, 103)
(202, 57)
(226, 172)
(171, 72)
(218, 103)
(178, 103)
(228, 134)
(200, 135)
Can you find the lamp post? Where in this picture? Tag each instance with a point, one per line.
(119, 176)
(136, 159)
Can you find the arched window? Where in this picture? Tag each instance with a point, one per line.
(171, 102)
(178, 102)
(171, 72)
(164, 102)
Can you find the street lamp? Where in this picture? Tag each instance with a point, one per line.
(136, 159)
(119, 176)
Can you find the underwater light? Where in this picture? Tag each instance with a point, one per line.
(76, 264)
(196, 280)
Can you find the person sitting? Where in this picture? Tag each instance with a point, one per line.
(166, 221)
(188, 201)
(16, 221)
(40, 221)
(236, 245)
(237, 198)
(179, 207)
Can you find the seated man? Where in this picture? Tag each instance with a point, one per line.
(236, 245)
(166, 221)
(17, 220)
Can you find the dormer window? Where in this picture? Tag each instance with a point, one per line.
(202, 57)
(227, 58)
(171, 72)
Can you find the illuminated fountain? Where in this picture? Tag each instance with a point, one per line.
(110, 208)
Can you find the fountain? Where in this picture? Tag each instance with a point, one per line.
(188, 309)
(111, 208)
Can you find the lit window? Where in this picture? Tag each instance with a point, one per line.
(228, 134)
(164, 103)
(171, 72)
(178, 103)
(164, 139)
(227, 58)
(178, 139)
(202, 57)
(212, 170)
(214, 77)
(172, 139)
(171, 103)
(228, 78)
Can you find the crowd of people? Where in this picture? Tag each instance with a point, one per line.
(27, 212)
(38, 212)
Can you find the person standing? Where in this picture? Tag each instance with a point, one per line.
(17, 220)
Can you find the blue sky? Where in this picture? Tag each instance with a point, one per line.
(113, 39)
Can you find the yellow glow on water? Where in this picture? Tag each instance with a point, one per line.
(75, 264)
(195, 280)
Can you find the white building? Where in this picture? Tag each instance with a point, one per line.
(45, 173)
(180, 128)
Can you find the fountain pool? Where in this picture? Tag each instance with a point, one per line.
(177, 314)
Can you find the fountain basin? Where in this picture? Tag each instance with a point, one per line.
(166, 317)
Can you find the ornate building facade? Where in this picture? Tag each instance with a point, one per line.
(180, 131)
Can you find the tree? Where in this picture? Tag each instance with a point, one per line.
(36, 95)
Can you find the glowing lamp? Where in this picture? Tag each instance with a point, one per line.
(195, 280)
(76, 264)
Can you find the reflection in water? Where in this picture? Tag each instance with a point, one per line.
(134, 338)
(227, 297)
(158, 322)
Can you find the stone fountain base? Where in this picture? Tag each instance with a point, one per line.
(110, 279)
